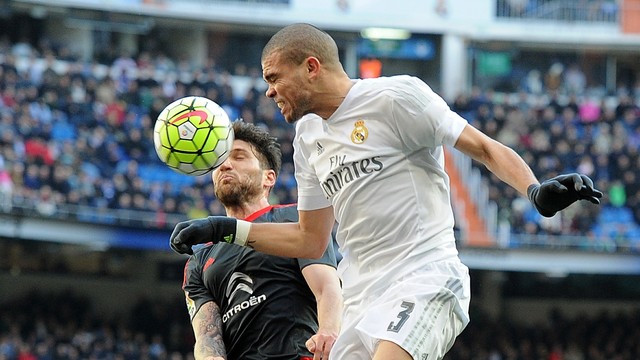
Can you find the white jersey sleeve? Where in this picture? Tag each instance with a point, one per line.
(422, 117)
(310, 195)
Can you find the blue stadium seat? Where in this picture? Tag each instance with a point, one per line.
(62, 131)
(160, 173)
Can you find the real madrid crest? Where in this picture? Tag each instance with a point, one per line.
(360, 133)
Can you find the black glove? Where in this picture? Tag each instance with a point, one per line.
(561, 191)
(198, 231)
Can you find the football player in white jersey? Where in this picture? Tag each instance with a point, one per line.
(369, 154)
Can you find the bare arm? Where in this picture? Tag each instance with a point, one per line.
(501, 160)
(207, 328)
(325, 285)
(308, 238)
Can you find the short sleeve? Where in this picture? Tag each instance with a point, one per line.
(422, 117)
(310, 195)
(194, 289)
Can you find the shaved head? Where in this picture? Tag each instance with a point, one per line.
(297, 42)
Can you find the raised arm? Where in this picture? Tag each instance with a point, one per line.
(501, 160)
(207, 328)
(548, 197)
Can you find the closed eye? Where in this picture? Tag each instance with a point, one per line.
(270, 79)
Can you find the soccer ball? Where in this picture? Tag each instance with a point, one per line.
(193, 135)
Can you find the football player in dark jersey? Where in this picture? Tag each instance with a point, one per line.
(247, 305)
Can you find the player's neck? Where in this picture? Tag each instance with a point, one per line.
(242, 211)
(332, 95)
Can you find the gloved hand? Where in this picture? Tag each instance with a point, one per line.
(198, 231)
(561, 191)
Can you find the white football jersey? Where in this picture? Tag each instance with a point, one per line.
(379, 161)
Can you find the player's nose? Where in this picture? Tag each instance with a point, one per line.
(226, 165)
(271, 92)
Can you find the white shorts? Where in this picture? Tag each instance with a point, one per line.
(423, 312)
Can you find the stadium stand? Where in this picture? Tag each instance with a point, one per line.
(83, 137)
(63, 326)
(77, 137)
(75, 145)
(59, 326)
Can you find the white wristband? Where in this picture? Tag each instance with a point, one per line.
(242, 232)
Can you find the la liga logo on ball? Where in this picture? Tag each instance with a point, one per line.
(187, 130)
(193, 135)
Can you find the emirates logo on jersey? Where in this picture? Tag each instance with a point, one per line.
(360, 133)
(346, 173)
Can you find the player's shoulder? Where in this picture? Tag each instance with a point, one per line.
(203, 252)
(406, 88)
(308, 121)
(391, 82)
(273, 213)
(284, 213)
(200, 251)
(391, 87)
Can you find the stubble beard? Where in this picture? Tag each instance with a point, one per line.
(302, 108)
(238, 194)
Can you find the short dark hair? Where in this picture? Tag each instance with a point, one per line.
(266, 145)
(296, 42)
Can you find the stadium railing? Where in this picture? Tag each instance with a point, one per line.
(559, 10)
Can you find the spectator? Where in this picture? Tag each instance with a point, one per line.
(6, 187)
(46, 203)
(553, 77)
(575, 81)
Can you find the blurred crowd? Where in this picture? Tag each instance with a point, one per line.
(63, 326)
(599, 336)
(77, 135)
(76, 141)
(555, 134)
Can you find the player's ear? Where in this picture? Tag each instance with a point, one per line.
(313, 65)
(269, 178)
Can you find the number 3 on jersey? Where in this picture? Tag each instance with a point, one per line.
(403, 316)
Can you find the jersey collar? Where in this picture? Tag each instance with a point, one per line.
(258, 213)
